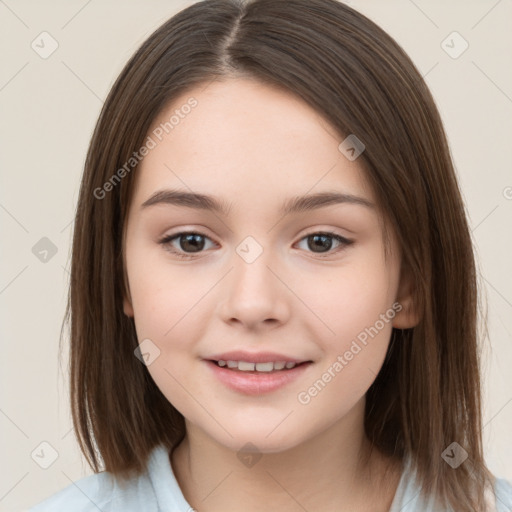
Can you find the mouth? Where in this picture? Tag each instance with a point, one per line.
(250, 378)
(257, 368)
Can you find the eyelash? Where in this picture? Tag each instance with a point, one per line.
(166, 242)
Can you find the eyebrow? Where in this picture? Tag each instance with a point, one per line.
(293, 205)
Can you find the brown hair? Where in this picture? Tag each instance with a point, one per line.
(427, 394)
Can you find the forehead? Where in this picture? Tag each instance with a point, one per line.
(241, 138)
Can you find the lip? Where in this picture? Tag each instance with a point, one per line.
(255, 357)
(252, 383)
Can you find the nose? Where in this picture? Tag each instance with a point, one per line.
(255, 295)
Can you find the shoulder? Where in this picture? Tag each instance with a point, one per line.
(89, 493)
(101, 491)
(408, 497)
(503, 495)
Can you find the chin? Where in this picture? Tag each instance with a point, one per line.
(258, 441)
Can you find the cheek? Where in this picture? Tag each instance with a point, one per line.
(167, 308)
(354, 304)
(353, 356)
(170, 304)
(349, 298)
(161, 293)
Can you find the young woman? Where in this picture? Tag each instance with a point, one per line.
(273, 300)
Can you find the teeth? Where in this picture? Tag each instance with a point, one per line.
(245, 366)
(263, 367)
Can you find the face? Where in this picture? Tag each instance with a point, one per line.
(309, 286)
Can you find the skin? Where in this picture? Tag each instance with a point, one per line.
(255, 146)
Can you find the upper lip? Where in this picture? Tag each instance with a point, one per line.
(254, 357)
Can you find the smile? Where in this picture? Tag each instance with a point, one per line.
(246, 366)
(256, 378)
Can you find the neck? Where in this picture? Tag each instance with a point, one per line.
(336, 470)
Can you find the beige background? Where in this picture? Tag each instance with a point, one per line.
(48, 111)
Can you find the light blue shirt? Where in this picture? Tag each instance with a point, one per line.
(157, 490)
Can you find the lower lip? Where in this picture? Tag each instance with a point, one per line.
(251, 383)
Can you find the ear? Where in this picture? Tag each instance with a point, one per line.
(408, 315)
(127, 298)
(127, 307)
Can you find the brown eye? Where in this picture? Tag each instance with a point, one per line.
(322, 242)
(191, 242)
(188, 243)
